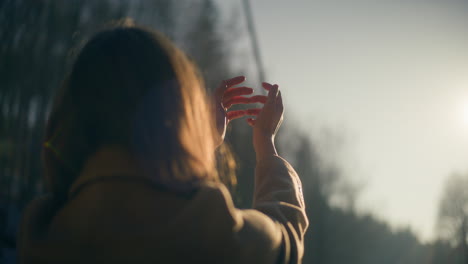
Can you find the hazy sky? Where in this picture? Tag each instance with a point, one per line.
(391, 77)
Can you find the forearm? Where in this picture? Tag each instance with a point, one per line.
(264, 149)
(278, 194)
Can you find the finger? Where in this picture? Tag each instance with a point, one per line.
(258, 99)
(231, 92)
(231, 115)
(245, 100)
(279, 109)
(236, 100)
(273, 93)
(234, 81)
(279, 101)
(253, 111)
(250, 121)
(227, 84)
(267, 86)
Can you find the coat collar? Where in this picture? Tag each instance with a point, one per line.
(115, 163)
(107, 162)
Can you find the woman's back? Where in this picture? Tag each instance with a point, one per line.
(122, 218)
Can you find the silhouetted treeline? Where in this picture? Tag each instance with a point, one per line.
(38, 40)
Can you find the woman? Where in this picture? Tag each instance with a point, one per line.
(129, 162)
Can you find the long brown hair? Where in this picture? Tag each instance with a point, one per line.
(130, 86)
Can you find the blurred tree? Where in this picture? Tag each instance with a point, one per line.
(337, 234)
(442, 252)
(36, 37)
(204, 43)
(453, 213)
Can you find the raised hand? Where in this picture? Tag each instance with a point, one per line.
(226, 96)
(268, 122)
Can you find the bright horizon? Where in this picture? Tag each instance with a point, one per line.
(390, 78)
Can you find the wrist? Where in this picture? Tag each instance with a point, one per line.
(265, 148)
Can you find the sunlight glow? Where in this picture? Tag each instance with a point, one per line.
(465, 113)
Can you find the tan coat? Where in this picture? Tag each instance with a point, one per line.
(113, 218)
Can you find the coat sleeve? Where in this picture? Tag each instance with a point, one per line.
(278, 214)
